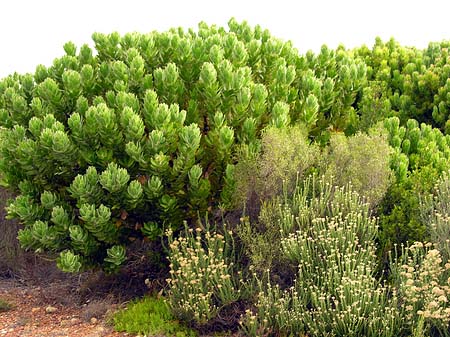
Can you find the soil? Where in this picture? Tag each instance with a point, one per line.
(49, 311)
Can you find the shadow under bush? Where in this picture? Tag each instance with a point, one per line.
(12, 258)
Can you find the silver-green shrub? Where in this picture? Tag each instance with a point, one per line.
(362, 160)
(285, 155)
(435, 211)
(329, 233)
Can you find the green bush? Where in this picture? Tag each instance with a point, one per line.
(420, 155)
(285, 156)
(363, 160)
(414, 83)
(116, 144)
(149, 316)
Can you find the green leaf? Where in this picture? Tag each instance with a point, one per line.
(116, 255)
(134, 194)
(151, 230)
(48, 199)
(114, 179)
(69, 262)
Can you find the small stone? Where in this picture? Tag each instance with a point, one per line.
(34, 310)
(94, 320)
(65, 323)
(75, 321)
(50, 310)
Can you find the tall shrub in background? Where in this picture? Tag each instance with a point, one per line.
(414, 82)
(285, 156)
(363, 160)
(420, 155)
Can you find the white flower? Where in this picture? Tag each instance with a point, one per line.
(442, 298)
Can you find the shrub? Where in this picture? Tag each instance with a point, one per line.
(362, 160)
(262, 242)
(105, 147)
(420, 156)
(435, 212)
(422, 281)
(202, 279)
(414, 82)
(328, 233)
(285, 156)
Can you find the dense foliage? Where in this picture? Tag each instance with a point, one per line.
(327, 233)
(140, 136)
(276, 186)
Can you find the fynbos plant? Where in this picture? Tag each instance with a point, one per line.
(435, 211)
(329, 234)
(424, 288)
(118, 144)
(201, 274)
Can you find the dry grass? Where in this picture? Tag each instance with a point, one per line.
(97, 308)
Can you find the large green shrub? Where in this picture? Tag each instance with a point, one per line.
(420, 155)
(407, 82)
(114, 144)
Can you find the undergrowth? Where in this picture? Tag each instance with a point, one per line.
(4, 305)
(149, 316)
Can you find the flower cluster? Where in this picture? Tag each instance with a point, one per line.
(424, 286)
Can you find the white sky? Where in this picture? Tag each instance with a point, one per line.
(33, 32)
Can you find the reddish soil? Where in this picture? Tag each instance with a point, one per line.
(38, 312)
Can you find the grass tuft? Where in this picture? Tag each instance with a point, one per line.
(4, 306)
(149, 316)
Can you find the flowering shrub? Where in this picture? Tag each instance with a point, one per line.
(329, 234)
(201, 278)
(423, 282)
(435, 212)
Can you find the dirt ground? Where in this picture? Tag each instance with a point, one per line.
(47, 312)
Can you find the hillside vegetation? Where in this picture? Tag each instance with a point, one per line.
(277, 193)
